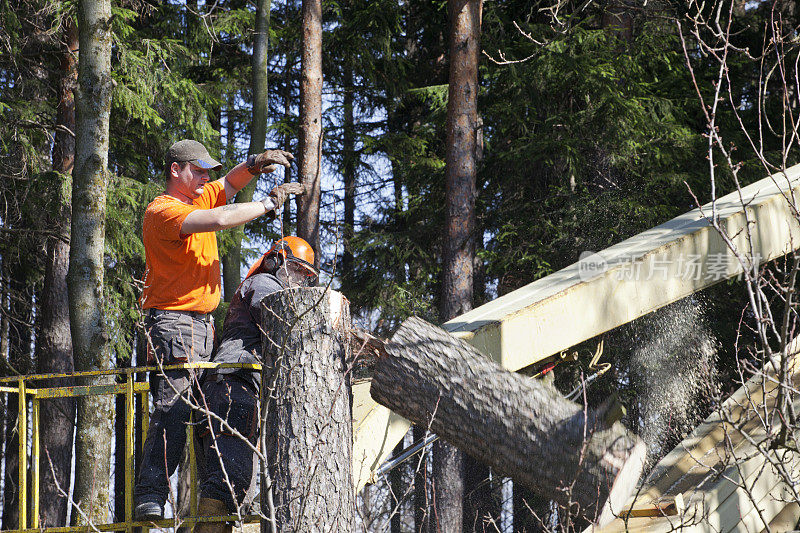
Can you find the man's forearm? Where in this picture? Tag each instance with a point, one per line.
(236, 179)
(223, 217)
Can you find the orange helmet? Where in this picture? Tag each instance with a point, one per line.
(292, 249)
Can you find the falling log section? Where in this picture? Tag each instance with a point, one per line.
(519, 426)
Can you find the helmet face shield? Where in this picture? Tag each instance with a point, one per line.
(292, 260)
(301, 272)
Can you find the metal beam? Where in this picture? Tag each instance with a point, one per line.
(635, 277)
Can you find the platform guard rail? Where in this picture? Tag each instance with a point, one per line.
(130, 388)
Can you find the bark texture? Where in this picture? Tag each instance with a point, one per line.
(309, 433)
(54, 346)
(459, 235)
(462, 118)
(421, 504)
(349, 173)
(232, 262)
(21, 313)
(310, 149)
(85, 279)
(514, 424)
(481, 496)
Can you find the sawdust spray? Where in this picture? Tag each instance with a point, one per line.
(673, 370)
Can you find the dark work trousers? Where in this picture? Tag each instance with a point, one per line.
(229, 458)
(175, 338)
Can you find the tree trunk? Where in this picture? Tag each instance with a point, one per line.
(231, 258)
(481, 498)
(515, 424)
(459, 239)
(11, 477)
(397, 488)
(309, 433)
(310, 149)
(531, 511)
(286, 220)
(54, 346)
(349, 171)
(286, 144)
(19, 359)
(421, 505)
(85, 279)
(458, 243)
(448, 487)
(258, 139)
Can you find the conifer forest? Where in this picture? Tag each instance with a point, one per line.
(451, 152)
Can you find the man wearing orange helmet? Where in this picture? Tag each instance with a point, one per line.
(231, 393)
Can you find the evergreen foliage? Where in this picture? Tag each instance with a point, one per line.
(589, 135)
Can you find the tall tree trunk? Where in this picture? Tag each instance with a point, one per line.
(310, 149)
(119, 457)
(231, 259)
(20, 360)
(5, 331)
(349, 171)
(422, 518)
(458, 244)
(397, 488)
(85, 279)
(531, 511)
(480, 496)
(11, 477)
(286, 221)
(515, 424)
(258, 138)
(54, 346)
(309, 432)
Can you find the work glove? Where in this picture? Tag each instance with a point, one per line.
(268, 161)
(279, 194)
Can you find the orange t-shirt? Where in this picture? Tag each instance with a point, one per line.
(181, 271)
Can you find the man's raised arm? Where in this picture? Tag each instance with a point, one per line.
(263, 163)
(231, 215)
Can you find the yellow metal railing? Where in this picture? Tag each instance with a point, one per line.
(129, 388)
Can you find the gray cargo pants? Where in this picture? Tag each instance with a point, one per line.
(175, 337)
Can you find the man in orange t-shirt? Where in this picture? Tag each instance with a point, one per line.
(182, 288)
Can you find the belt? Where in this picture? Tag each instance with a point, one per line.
(205, 317)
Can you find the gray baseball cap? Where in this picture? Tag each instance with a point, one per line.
(193, 152)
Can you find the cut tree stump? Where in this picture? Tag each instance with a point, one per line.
(309, 430)
(519, 426)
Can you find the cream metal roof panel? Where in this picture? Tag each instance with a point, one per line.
(640, 275)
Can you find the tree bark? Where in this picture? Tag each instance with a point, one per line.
(286, 144)
(20, 361)
(258, 139)
(421, 505)
(11, 477)
(309, 433)
(481, 498)
(517, 425)
(85, 278)
(349, 172)
(310, 149)
(530, 510)
(458, 243)
(54, 346)
(396, 486)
